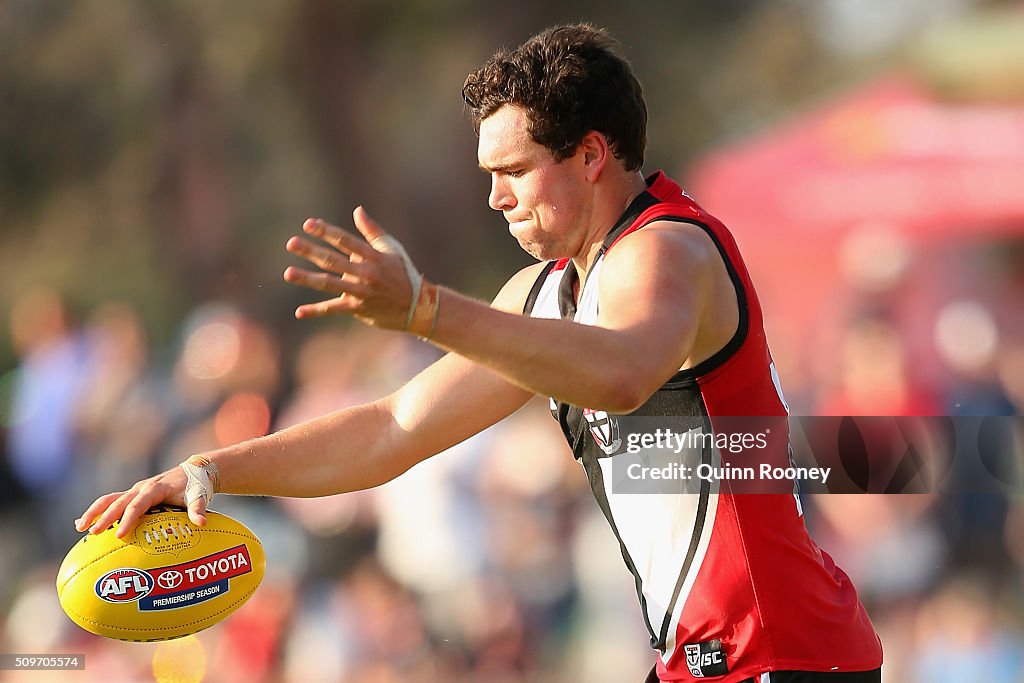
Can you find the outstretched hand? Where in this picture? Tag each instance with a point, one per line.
(364, 278)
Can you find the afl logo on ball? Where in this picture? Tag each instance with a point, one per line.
(124, 585)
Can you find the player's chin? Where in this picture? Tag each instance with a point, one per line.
(537, 250)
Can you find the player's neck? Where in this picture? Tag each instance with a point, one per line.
(608, 209)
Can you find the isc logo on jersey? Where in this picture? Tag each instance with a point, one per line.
(124, 585)
(707, 660)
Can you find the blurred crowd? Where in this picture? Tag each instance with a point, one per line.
(489, 562)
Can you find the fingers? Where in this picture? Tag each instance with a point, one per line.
(369, 228)
(112, 512)
(324, 282)
(374, 283)
(341, 240)
(133, 509)
(92, 512)
(197, 511)
(342, 304)
(128, 506)
(327, 259)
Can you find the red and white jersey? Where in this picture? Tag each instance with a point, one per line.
(731, 584)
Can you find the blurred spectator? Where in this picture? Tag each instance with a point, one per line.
(968, 342)
(873, 375)
(120, 416)
(54, 366)
(963, 637)
(42, 438)
(226, 379)
(893, 544)
(1010, 371)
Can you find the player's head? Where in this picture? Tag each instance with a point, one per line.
(570, 80)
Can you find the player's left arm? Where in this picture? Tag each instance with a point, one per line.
(653, 296)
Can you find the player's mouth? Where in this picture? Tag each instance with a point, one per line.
(518, 224)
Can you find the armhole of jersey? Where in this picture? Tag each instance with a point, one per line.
(531, 299)
(687, 377)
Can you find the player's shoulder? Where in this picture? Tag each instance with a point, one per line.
(673, 243)
(516, 290)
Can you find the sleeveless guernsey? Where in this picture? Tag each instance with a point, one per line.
(730, 583)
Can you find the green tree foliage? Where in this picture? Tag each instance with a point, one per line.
(162, 152)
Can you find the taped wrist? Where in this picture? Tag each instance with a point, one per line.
(425, 314)
(203, 479)
(425, 302)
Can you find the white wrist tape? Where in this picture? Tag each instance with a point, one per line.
(203, 479)
(386, 244)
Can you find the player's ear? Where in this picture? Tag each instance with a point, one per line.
(596, 153)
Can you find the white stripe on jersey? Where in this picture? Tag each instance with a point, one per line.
(657, 530)
(698, 561)
(778, 385)
(548, 292)
(586, 309)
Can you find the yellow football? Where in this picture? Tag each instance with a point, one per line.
(168, 578)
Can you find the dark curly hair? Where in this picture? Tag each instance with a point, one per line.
(570, 80)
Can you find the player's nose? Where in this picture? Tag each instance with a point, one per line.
(500, 198)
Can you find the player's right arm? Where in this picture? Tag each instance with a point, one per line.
(347, 450)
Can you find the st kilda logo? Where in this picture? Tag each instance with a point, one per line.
(605, 430)
(693, 659)
(126, 584)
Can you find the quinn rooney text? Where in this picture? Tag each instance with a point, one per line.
(706, 472)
